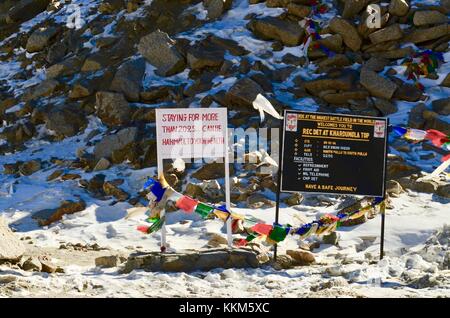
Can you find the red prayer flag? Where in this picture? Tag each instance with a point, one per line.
(187, 204)
(436, 137)
(263, 229)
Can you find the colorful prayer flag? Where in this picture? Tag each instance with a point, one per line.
(263, 229)
(203, 210)
(187, 204)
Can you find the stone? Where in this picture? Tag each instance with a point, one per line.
(160, 51)
(128, 79)
(294, 199)
(258, 200)
(113, 142)
(68, 67)
(384, 106)
(102, 164)
(298, 10)
(347, 31)
(11, 247)
(343, 82)
(244, 92)
(376, 64)
(26, 9)
(80, 90)
(408, 92)
(110, 189)
(427, 34)
(66, 121)
(434, 121)
(353, 7)
(419, 185)
(429, 17)
(199, 57)
(41, 38)
(377, 85)
(216, 8)
(18, 133)
(444, 191)
(30, 167)
(446, 81)
(301, 257)
(55, 175)
(95, 184)
(441, 106)
(32, 264)
(283, 262)
(48, 216)
(112, 108)
(393, 188)
(47, 266)
(399, 7)
(270, 28)
(228, 45)
(201, 260)
(109, 261)
(217, 240)
(45, 88)
(332, 238)
(211, 171)
(345, 97)
(389, 33)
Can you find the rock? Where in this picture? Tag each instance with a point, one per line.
(109, 261)
(284, 262)
(48, 216)
(258, 200)
(47, 266)
(211, 171)
(41, 38)
(68, 67)
(347, 31)
(30, 167)
(342, 82)
(199, 57)
(408, 92)
(217, 240)
(102, 164)
(128, 79)
(298, 10)
(376, 64)
(18, 133)
(446, 81)
(426, 281)
(55, 175)
(26, 9)
(202, 260)
(424, 186)
(45, 88)
(11, 248)
(434, 121)
(345, 97)
(227, 45)
(384, 106)
(160, 51)
(442, 106)
(389, 33)
(96, 183)
(444, 191)
(416, 119)
(244, 92)
(66, 121)
(393, 188)
(353, 7)
(118, 141)
(377, 85)
(429, 17)
(111, 189)
(332, 238)
(294, 199)
(399, 7)
(112, 108)
(427, 34)
(216, 8)
(32, 264)
(270, 28)
(301, 257)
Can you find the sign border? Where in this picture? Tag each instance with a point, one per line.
(385, 119)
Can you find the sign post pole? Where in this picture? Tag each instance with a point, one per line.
(163, 212)
(280, 172)
(383, 216)
(227, 188)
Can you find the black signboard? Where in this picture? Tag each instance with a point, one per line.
(333, 153)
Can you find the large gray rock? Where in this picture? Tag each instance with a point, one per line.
(202, 260)
(429, 17)
(216, 8)
(389, 33)
(199, 57)
(128, 79)
(353, 7)
(244, 92)
(428, 34)
(26, 9)
(48, 216)
(65, 121)
(377, 85)
(11, 248)
(270, 28)
(347, 31)
(399, 7)
(442, 106)
(160, 51)
(110, 143)
(112, 108)
(45, 88)
(41, 38)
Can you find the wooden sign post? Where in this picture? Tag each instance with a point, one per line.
(332, 154)
(193, 133)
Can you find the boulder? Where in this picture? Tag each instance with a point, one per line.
(340, 82)
(41, 38)
(347, 31)
(216, 8)
(109, 261)
(11, 248)
(408, 92)
(112, 108)
(389, 33)
(32, 264)
(444, 191)
(47, 266)
(211, 171)
(399, 7)
(427, 34)
(298, 10)
(18, 133)
(353, 7)
(244, 92)
(30, 167)
(102, 164)
(111, 143)
(45, 88)
(446, 81)
(227, 45)
(67, 67)
(128, 79)
(442, 106)
(377, 85)
(199, 57)
(301, 257)
(429, 17)
(270, 28)
(111, 189)
(160, 51)
(48, 216)
(26, 9)
(384, 106)
(66, 121)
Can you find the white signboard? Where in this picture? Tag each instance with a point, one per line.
(191, 132)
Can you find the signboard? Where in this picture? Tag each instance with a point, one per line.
(333, 153)
(191, 132)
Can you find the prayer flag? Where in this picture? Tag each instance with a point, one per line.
(204, 210)
(187, 204)
(223, 215)
(263, 229)
(278, 233)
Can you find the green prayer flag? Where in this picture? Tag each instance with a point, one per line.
(203, 210)
(278, 234)
(250, 237)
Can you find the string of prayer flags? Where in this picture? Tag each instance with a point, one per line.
(203, 210)
(263, 229)
(278, 233)
(187, 204)
(422, 64)
(223, 215)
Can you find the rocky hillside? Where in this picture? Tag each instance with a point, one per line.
(78, 99)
